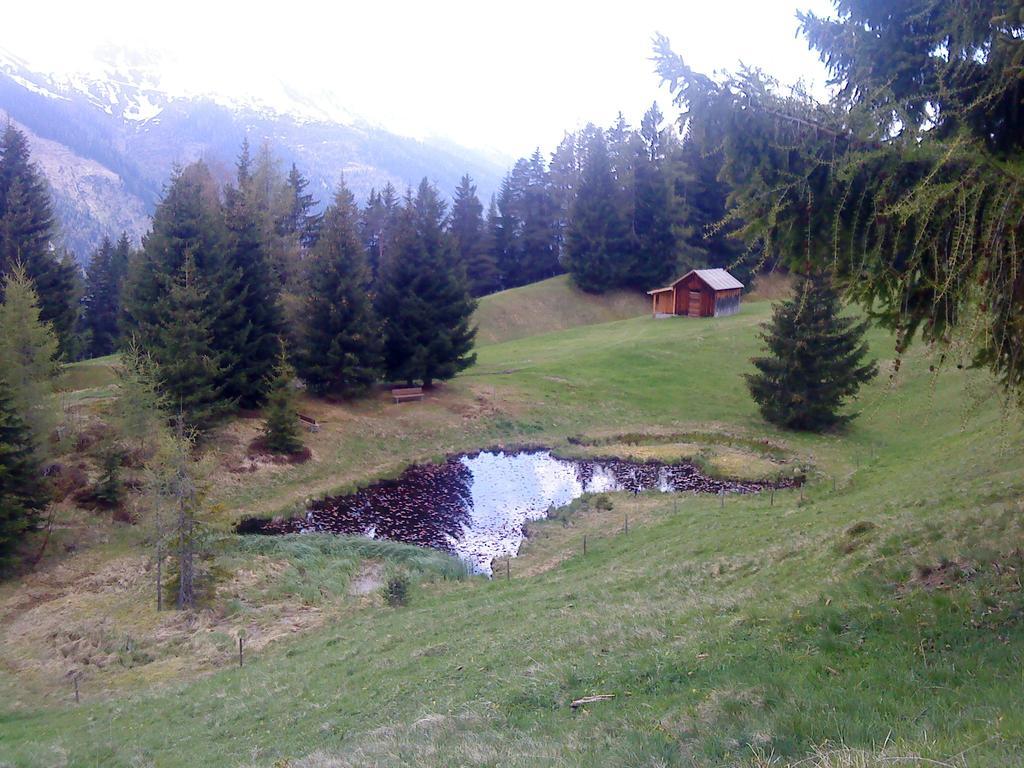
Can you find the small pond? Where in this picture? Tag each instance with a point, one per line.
(476, 505)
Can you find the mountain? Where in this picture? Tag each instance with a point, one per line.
(107, 138)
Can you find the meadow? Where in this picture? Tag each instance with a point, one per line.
(875, 617)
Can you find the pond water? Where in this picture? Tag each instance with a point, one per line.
(476, 505)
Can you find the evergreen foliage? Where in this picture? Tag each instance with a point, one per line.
(141, 409)
(301, 218)
(905, 185)
(378, 225)
(102, 303)
(505, 231)
(423, 300)
(469, 236)
(27, 229)
(815, 363)
(28, 355)
(281, 424)
(188, 366)
(654, 246)
(248, 331)
(273, 201)
(598, 245)
(339, 342)
(22, 492)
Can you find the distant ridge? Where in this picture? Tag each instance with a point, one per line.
(107, 140)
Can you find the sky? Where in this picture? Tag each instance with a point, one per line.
(506, 76)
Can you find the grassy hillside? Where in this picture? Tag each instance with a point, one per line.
(551, 305)
(876, 618)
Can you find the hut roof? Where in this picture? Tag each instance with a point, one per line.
(716, 279)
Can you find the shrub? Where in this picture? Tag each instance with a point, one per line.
(396, 592)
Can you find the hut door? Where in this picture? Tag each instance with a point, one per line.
(694, 309)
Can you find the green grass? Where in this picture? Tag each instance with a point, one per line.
(551, 305)
(735, 635)
(89, 374)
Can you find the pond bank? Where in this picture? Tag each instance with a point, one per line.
(475, 505)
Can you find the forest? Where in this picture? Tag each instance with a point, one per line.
(842, 587)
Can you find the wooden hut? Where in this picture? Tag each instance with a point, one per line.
(698, 293)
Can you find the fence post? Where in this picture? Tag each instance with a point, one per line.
(584, 543)
(773, 496)
(721, 496)
(76, 688)
(508, 568)
(240, 660)
(626, 529)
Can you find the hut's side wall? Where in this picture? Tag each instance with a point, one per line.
(727, 302)
(663, 303)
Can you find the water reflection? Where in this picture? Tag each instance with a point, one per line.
(476, 505)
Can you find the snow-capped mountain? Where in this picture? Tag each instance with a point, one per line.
(108, 134)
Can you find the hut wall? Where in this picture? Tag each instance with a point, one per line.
(683, 289)
(664, 303)
(727, 302)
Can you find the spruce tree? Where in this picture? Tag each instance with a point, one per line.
(27, 229)
(423, 300)
(564, 176)
(539, 213)
(505, 229)
(339, 341)
(22, 492)
(281, 425)
(377, 225)
(598, 245)
(654, 256)
(186, 300)
(249, 328)
(188, 365)
(102, 302)
(301, 218)
(469, 236)
(815, 363)
(187, 223)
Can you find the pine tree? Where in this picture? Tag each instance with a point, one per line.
(423, 300)
(598, 246)
(281, 427)
(187, 223)
(539, 214)
(705, 238)
(102, 302)
(654, 257)
(268, 195)
(527, 238)
(564, 176)
(188, 366)
(28, 354)
(378, 225)
(249, 328)
(505, 228)
(339, 342)
(815, 363)
(22, 493)
(27, 228)
(469, 236)
(301, 218)
(186, 300)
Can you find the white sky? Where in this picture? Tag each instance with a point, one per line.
(510, 76)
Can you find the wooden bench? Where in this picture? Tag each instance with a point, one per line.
(309, 422)
(402, 394)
